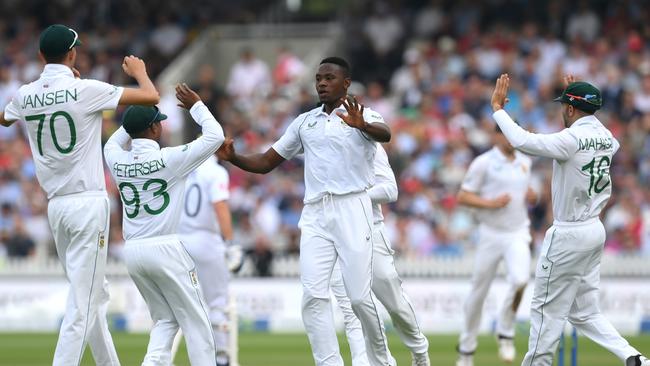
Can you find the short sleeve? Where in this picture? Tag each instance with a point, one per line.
(290, 144)
(12, 110)
(219, 186)
(372, 116)
(475, 176)
(100, 96)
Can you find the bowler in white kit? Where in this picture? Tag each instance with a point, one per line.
(386, 283)
(497, 186)
(338, 140)
(151, 182)
(567, 277)
(63, 116)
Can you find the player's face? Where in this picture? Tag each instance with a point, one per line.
(331, 83)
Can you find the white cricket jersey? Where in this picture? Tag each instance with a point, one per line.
(205, 186)
(583, 154)
(151, 180)
(385, 188)
(338, 158)
(491, 175)
(63, 116)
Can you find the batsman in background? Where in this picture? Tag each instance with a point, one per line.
(63, 116)
(151, 182)
(497, 185)
(567, 278)
(386, 283)
(206, 232)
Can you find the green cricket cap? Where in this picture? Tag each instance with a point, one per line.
(58, 39)
(138, 118)
(581, 95)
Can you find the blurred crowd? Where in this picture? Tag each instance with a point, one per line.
(427, 66)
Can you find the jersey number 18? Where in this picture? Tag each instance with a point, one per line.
(596, 177)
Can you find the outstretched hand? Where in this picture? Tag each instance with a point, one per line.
(226, 151)
(499, 99)
(568, 79)
(354, 117)
(186, 96)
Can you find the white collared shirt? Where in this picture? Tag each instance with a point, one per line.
(338, 158)
(151, 180)
(63, 116)
(205, 186)
(491, 175)
(582, 156)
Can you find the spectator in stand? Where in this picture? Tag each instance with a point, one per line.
(249, 79)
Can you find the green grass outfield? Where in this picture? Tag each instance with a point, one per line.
(264, 349)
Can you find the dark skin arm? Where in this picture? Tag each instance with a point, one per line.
(254, 163)
(377, 131)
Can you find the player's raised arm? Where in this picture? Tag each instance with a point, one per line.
(560, 146)
(146, 94)
(254, 163)
(186, 158)
(119, 140)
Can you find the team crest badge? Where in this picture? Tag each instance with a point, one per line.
(194, 278)
(102, 241)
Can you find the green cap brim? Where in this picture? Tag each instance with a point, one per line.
(161, 117)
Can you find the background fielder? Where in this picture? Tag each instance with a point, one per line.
(497, 184)
(206, 232)
(386, 283)
(63, 116)
(568, 271)
(151, 182)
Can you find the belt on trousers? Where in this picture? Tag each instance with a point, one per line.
(575, 223)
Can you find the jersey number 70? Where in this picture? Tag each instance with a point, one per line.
(39, 134)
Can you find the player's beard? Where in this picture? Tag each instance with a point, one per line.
(565, 118)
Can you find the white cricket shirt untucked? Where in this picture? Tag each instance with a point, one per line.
(63, 116)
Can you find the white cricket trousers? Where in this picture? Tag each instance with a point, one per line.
(208, 251)
(339, 227)
(387, 288)
(567, 280)
(80, 225)
(165, 275)
(493, 247)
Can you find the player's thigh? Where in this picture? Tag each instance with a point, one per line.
(517, 260)
(587, 301)
(153, 295)
(317, 259)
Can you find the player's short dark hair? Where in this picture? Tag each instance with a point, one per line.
(56, 59)
(340, 62)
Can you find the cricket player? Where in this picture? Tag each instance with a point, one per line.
(338, 140)
(386, 283)
(497, 185)
(63, 116)
(567, 277)
(206, 232)
(151, 182)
